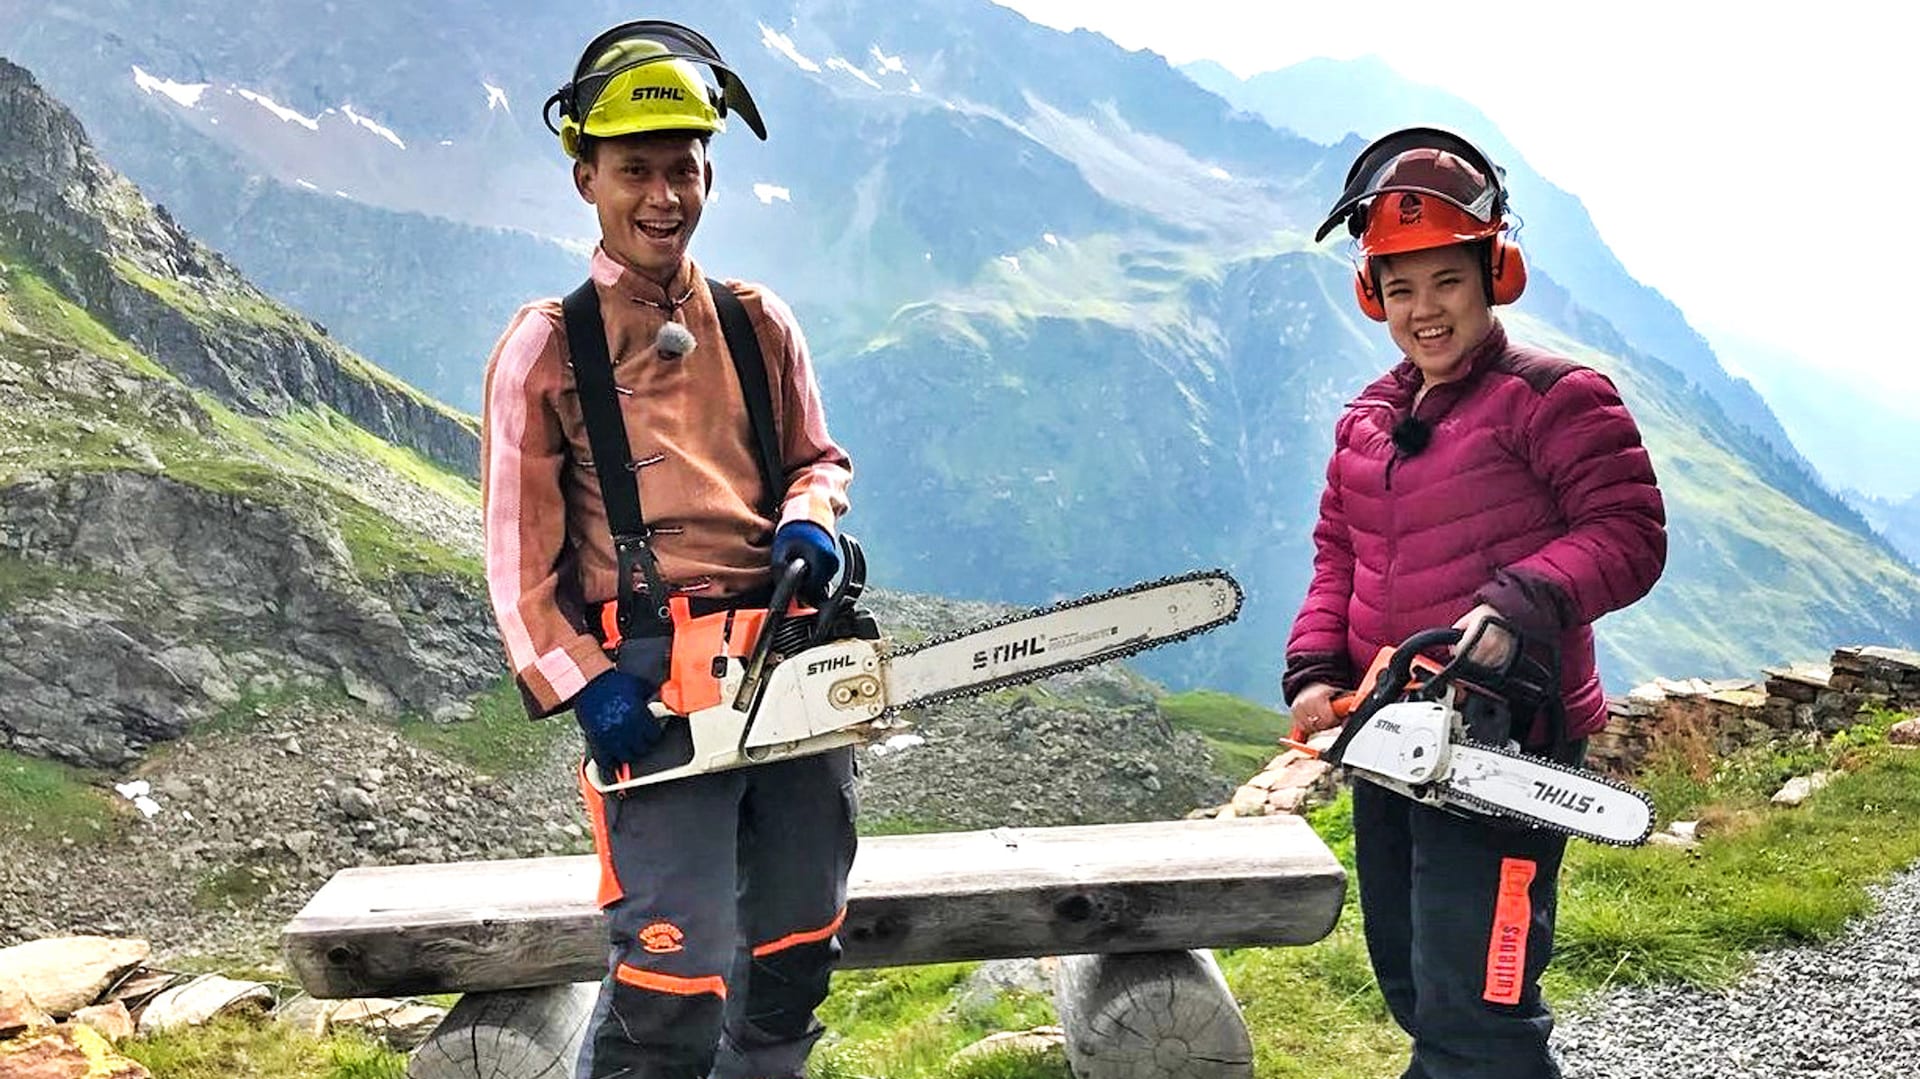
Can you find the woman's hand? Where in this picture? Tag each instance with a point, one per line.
(1495, 644)
(1313, 710)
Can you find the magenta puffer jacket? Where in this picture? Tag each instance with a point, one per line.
(1534, 494)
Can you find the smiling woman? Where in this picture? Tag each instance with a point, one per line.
(1503, 490)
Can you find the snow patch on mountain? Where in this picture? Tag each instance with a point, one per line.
(766, 193)
(372, 125)
(286, 114)
(496, 97)
(782, 44)
(184, 94)
(889, 65)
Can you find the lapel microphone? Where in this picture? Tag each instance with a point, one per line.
(1411, 435)
(673, 341)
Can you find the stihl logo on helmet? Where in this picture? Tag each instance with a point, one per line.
(657, 93)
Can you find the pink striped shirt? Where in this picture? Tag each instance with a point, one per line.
(549, 551)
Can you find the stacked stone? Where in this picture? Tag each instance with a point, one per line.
(1292, 782)
(1801, 697)
(1883, 677)
(1724, 714)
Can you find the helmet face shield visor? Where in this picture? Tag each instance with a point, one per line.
(640, 76)
(1441, 175)
(1427, 162)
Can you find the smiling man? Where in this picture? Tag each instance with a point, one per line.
(654, 445)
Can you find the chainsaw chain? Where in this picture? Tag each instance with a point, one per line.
(1482, 805)
(1039, 674)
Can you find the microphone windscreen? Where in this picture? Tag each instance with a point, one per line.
(673, 341)
(1410, 435)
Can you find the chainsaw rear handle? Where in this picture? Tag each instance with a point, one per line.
(784, 588)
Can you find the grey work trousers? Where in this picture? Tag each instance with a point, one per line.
(1459, 916)
(723, 893)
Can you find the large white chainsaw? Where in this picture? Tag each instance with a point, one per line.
(734, 699)
(1408, 729)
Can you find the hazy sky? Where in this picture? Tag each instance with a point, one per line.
(1744, 159)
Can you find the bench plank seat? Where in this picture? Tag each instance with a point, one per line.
(1008, 892)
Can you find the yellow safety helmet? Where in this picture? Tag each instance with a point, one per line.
(640, 76)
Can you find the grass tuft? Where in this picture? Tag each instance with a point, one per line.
(239, 1046)
(499, 739)
(45, 802)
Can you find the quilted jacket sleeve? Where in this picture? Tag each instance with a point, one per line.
(1581, 441)
(1317, 647)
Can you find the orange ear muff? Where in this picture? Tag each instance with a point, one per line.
(1366, 292)
(1506, 271)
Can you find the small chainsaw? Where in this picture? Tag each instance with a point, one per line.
(751, 686)
(1451, 738)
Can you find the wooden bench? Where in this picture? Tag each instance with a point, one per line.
(1130, 908)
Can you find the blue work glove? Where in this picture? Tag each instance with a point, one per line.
(613, 714)
(813, 544)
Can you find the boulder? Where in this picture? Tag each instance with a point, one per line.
(18, 1012)
(1023, 1042)
(200, 1000)
(1800, 788)
(111, 1021)
(400, 1024)
(309, 1015)
(1905, 733)
(62, 974)
(67, 1051)
(995, 978)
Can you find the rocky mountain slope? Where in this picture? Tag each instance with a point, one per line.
(1147, 307)
(265, 626)
(194, 482)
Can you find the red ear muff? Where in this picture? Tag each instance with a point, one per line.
(1367, 293)
(1506, 271)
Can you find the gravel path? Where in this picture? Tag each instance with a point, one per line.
(1849, 1010)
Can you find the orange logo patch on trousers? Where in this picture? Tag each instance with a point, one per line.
(1512, 918)
(660, 938)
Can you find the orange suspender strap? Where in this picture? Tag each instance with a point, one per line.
(1512, 918)
(668, 983)
(808, 936)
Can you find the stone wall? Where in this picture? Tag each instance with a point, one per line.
(1732, 713)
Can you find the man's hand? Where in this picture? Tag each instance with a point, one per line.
(613, 715)
(811, 544)
(1495, 644)
(1313, 711)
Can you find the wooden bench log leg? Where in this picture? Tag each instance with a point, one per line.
(509, 1034)
(1151, 1015)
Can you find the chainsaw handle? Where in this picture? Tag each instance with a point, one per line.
(791, 575)
(1399, 673)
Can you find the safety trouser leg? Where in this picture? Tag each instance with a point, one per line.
(1383, 862)
(668, 855)
(797, 845)
(1482, 904)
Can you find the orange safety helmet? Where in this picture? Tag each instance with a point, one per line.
(1448, 192)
